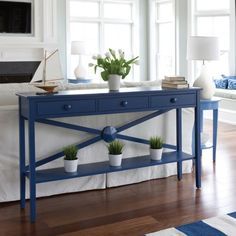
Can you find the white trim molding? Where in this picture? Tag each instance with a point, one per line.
(30, 47)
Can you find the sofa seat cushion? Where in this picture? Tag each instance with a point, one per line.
(8, 91)
(225, 93)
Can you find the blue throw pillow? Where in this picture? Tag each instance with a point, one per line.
(231, 83)
(221, 83)
(233, 77)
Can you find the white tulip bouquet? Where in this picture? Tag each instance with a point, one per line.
(113, 64)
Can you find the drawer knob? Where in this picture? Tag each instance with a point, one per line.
(173, 100)
(67, 107)
(124, 103)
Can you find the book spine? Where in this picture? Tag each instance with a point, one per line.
(174, 78)
(164, 85)
(174, 81)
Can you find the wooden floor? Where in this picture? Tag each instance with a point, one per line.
(135, 209)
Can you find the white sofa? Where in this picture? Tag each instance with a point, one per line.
(227, 105)
(50, 139)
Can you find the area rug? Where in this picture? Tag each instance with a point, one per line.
(215, 226)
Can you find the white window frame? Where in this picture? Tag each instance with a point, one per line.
(153, 37)
(134, 22)
(192, 16)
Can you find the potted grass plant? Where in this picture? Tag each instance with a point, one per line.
(115, 149)
(115, 67)
(70, 159)
(156, 147)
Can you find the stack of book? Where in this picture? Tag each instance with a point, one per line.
(174, 82)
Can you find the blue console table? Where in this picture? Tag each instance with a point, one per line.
(43, 108)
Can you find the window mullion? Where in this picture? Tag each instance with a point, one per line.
(101, 31)
(232, 53)
(85, 20)
(212, 13)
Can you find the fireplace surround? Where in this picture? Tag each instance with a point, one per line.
(17, 72)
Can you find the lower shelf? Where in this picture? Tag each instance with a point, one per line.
(47, 175)
(207, 145)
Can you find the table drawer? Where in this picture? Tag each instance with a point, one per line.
(173, 100)
(123, 104)
(66, 107)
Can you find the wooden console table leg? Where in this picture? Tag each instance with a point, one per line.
(22, 160)
(179, 141)
(32, 167)
(197, 126)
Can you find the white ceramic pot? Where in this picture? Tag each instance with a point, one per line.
(114, 82)
(70, 165)
(156, 154)
(115, 160)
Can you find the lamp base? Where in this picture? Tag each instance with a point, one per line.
(205, 82)
(80, 72)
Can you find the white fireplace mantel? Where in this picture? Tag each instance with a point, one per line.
(15, 47)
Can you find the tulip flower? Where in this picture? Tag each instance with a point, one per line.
(113, 64)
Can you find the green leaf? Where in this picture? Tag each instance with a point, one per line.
(70, 152)
(113, 54)
(132, 60)
(105, 75)
(115, 147)
(128, 68)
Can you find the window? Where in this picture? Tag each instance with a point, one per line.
(162, 39)
(215, 18)
(102, 24)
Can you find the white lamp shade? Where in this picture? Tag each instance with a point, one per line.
(78, 48)
(203, 48)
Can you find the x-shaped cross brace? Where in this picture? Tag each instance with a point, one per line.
(108, 134)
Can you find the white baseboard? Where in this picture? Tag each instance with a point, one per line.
(225, 115)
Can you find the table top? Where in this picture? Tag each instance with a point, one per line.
(210, 104)
(214, 99)
(122, 91)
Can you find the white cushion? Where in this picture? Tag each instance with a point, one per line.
(225, 93)
(8, 91)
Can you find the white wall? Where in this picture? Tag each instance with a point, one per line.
(143, 39)
(61, 32)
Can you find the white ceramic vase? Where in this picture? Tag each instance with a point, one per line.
(114, 82)
(115, 160)
(156, 154)
(205, 82)
(70, 165)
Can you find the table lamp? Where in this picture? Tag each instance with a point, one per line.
(79, 48)
(205, 49)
